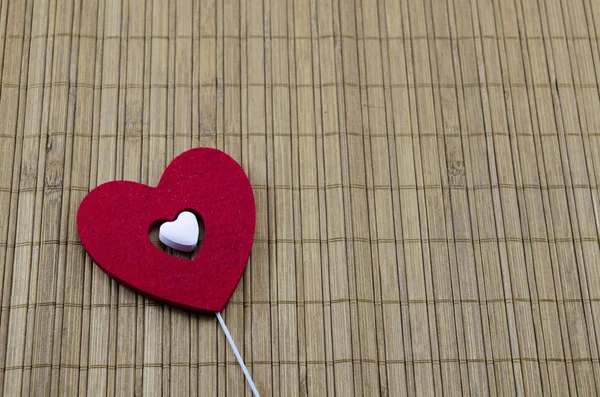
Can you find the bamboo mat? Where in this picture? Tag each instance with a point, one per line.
(425, 175)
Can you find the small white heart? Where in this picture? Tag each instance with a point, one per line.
(181, 234)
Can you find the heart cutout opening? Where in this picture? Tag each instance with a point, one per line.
(153, 235)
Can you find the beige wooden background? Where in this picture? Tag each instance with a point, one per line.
(426, 183)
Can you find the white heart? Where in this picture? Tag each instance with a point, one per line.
(181, 234)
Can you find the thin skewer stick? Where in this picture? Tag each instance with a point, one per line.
(237, 355)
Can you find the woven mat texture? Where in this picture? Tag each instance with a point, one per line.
(426, 180)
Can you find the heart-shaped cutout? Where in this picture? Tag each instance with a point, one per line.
(180, 234)
(113, 221)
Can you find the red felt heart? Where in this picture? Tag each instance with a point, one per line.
(114, 219)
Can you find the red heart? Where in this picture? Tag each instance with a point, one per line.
(114, 219)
